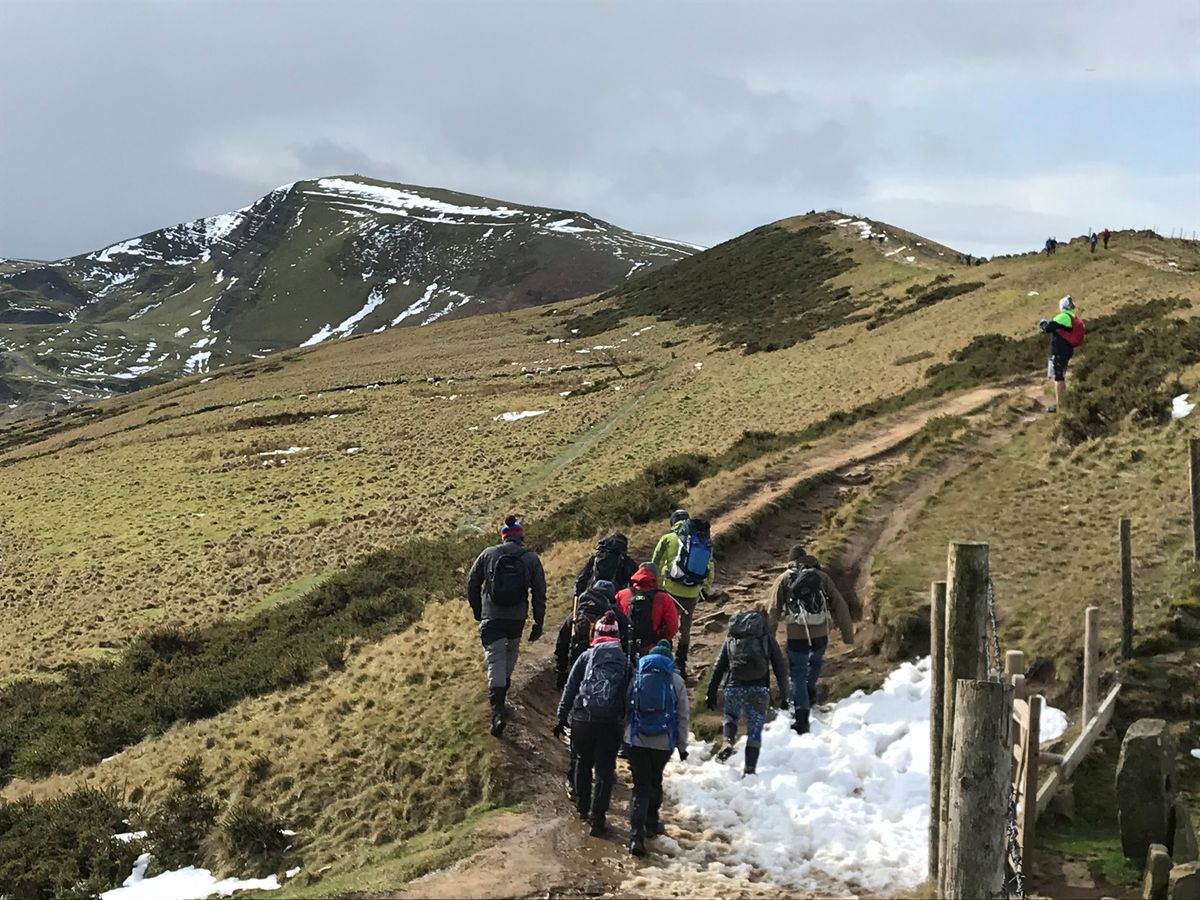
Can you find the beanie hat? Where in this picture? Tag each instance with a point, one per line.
(680, 515)
(797, 553)
(606, 628)
(1066, 303)
(511, 527)
(605, 589)
(662, 648)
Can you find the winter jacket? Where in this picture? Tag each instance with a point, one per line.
(479, 592)
(682, 723)
(721, 674)
(838, 609)
(664, 555)
(571, 707)
(563, 660)
(1058, 328)
(583, 580)
(664, 618)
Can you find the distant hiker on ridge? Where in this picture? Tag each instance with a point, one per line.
(576, 635)
(658, 724)
(1066, 333)
(683, 557)
(1105, 235)
(593, 707)
(610, 562)
(807, 599)
(743, 670)
(1092, 241)
(500, 586)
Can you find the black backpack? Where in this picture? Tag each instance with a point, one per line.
(806, 603)
(641, 619)
(508, 579)
(608, 560)
(601, 694)
(587, 614)
(749, 650)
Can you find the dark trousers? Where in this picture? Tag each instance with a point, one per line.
(595, 745)
(804, 660)
(646, 765)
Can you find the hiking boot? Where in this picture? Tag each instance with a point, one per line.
(751, 767)
(681, 656)
(1052, 408)
(656, 828)
(800, 722)
(724, 753)
(599, 827)
(637, 845)
(497, 723)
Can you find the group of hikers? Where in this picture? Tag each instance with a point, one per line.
(621, 656)
(1051, 245)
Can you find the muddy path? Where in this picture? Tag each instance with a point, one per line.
(543, 850)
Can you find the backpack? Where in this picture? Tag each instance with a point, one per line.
(641, 618)
(806, 602)
(652, 698)
(691, 562)
(587, 614)
(1074, 337)
(749, 650)
(508, 579)
(602, 690)
(608, 561)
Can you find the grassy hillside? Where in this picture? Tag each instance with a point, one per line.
(205, 509)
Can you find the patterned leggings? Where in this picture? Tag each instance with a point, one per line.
(752, 699)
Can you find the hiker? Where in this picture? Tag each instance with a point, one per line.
(658, 724)
(684, 559)
(968, 259)
(1066, 333)
(651, 612)
(609, 562)
(1105, 235)
(1092, 241)
(743, 669)
(807, 599)
(593, 707)
(501, 583)
(575, 636)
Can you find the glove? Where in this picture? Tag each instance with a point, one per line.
(560, 730)
(783, 703)
(535, 632)
(710, 702)
(1043, 324)
(682, 755)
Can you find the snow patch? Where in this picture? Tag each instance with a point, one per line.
(189, 883)
(375, 299)
(182, 332)
(395, 200)
(288, 452)
(1180, 408)
(1196, 753)
(198, 362)
(418, 307)
(516, 416)
(1053, 723)
(1032, 294)
(124, 248)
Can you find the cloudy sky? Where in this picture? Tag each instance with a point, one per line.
(984, 125)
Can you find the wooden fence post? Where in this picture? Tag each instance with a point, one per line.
(1091, 664)
(980, 781)
(1194, 481)
(1126, 591)
(1027, 813)
(966, 621)
(937, 669)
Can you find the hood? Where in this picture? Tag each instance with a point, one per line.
(644, 579)
(805, 562)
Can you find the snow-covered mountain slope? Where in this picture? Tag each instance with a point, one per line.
(310, 262)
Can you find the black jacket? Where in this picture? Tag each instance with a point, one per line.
(721, 675)
(478, 594)
(584, 579)
(563, 660)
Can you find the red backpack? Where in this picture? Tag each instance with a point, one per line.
(1074, 337)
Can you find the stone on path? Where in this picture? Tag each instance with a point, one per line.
(1183, 835)
(1156, 881)
(1184, 882)
(1145, 786)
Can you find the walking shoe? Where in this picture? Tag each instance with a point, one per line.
(751, 767)
(599, 827)
(724, 753)
(800, 722)
(654, 829)
(1052, 408)
(637, 846)
(497, 723)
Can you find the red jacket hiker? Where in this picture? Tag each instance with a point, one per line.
(662, 623)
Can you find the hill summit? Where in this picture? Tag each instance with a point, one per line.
(307, 263)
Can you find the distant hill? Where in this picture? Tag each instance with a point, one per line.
(307, 263)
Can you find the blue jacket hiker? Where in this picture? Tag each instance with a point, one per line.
(743, 669)
(503, 582)
(658, 723)
(593, 707)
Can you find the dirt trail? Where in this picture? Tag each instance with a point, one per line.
(544, 850)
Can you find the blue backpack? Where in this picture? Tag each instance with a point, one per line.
(695, 552)
(652, 698)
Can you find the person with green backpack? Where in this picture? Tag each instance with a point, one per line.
(658, 724)
(683, 558)
(806, 598)
(742, 672)
(504, 581)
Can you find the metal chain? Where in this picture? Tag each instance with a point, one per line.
(995, 664)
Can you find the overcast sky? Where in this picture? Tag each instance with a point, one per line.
(986, 126)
